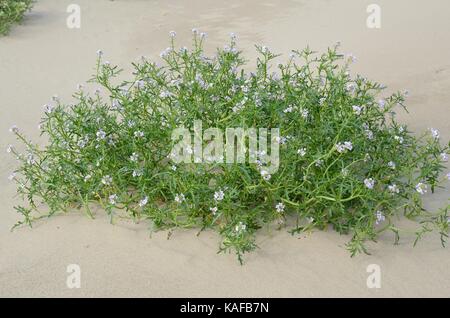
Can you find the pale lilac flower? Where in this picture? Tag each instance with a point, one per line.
(379, 217)
(381, 103)
(134, 157)
(369, 134)
(138, 134)
(137, 173)
(351, 58)
(14, 129)
(219, 195)
(434, 133)
(350, 87)
(448, 175)
(179, 198)
(240, 227)
(172, 34)
(369, 183)
(266, 175)
(280, 207)
(357, 110)
(203, 35)
(399, 139)
(107, 180)
(288, 110)
(194, 30)
(301, 152)
(113, 199)
(444, 157)
(214, 210)
(48, 109)
(342, 147)
(100, 135)
(143, 202)
(391, 165)
(393, 188)
(304, 113)
(421, 188)
(30, 159)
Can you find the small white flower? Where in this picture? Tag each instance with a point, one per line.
(214, 210)
(174, 168)
(448, 175)
(266, 175)
(9, 149)
(107, 180)
(138, 134)
(240, 227)
(172, 34)
(288, 110)
(322, 100)
(434, 133)
(381, 103)
(48, 109)
(137, 173)
(444, 157)
(369, 183)
(350, 87)
(399, 139)
(318, 163)
(369, 134)
(280, 207)
(219, 195)
(30, 159)
(357, 110)
(179, 198)
(99, 53)
(203, 35)
(134, 157)
(100, 135)
(304, 113)
(143, 202)
(14, 129)
(342, 147)
(379, 217)
(301, 152)
(87, 177)
(393, 188)
(421, 188)
(194, 30)
(351, 58)
(113, 199)
(233, 36)
(391, 165)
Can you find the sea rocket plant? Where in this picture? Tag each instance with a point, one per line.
(345, 161)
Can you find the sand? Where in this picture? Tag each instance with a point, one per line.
(43, 57)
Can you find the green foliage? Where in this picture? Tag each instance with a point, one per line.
(11, 12)
(345, 161)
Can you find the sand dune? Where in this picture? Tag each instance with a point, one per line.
(43, 57)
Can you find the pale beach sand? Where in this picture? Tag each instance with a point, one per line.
(43, 57)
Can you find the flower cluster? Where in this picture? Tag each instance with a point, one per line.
(344, 159)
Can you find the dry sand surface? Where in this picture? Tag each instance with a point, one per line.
(43, 57)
